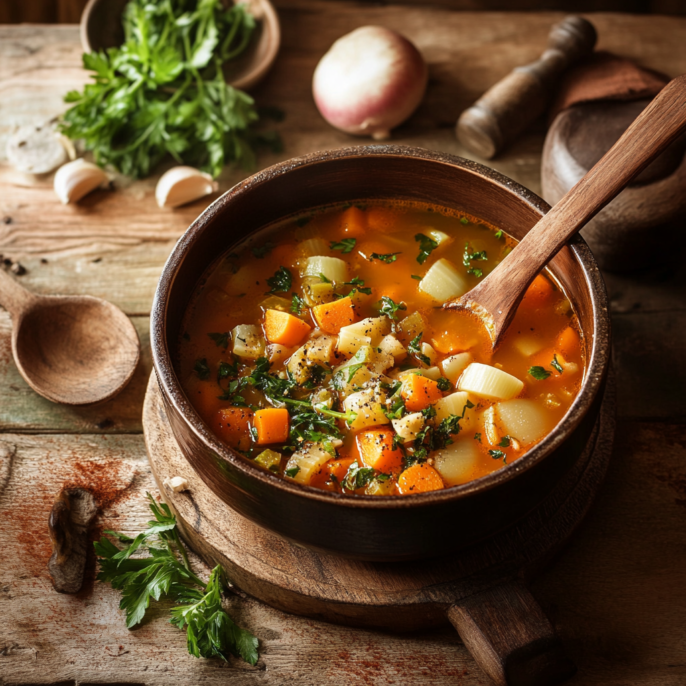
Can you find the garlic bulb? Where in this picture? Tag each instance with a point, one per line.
(38, 149)
(181, 185)
(76, 179)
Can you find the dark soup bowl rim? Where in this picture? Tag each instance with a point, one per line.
(597, 353)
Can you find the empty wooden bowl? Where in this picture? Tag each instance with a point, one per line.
(374, 527)
(101, 28)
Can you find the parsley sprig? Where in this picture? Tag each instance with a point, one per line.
(166, 573)
(426, 247)
(470, 256)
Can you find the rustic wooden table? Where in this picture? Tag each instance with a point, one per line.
(617, 594)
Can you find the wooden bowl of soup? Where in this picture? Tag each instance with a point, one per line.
(315, 384)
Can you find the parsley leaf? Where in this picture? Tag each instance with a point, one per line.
(263, 250)
(499, 234)
(292, 471)
(221, 339)
(505, 442)
(297, 304)
(556, 365)
(443, 384)
(346, 245)
(357, 477)
(202, 369)
(469, 256)
(359, 286)
(426, 247)
(390, 308)
(497, 454)
(281, 281)
(386, 257)
(416, 277)
(477, 437)
(539, 373)
(415, 348)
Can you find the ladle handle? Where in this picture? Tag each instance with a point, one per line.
(509, 636)
(13, 297)
(652, 131)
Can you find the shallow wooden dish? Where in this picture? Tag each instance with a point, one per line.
(101, 28)
(368, 527)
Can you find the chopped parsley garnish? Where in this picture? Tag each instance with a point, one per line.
(346, 245)
(477, 437)
(556, 365)
(297, 304)
(443, 384)
(324, 278)
(505, 442)
(202, 369)
(469, 256)
(352, 370)
(292, 471)
(359, 286)
(539, 373)
(281, 281)
(227, 371)
(426, 247)
(499, 234)
(386, 257)
(464, 220)
(390, 308)
(263, 250)
(416, 277)
(415, 348)
(357, 477)
(274, 387)
(221, 339)
(497, 455)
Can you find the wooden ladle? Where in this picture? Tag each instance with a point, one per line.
(495, 299)
(72, 349)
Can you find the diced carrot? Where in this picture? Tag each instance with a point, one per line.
(419, 478)
(419, 392)
(382, 219)
(377, 451)
(232, 425)
(332, 316)
(538, 292)
(569, 343)
(271, 425)
(353, 222)
(281, 327)
(339, 468)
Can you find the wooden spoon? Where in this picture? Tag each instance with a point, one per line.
(496, 298)
(72, 349)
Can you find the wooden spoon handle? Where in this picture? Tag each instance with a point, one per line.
(13, 297)
(652, 131)
(509, 636)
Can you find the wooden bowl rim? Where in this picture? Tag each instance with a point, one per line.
(597, 364)
(271, 35)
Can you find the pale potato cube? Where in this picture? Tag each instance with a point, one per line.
(438, 236)
(454, 365)
(277, 353)
(443, 281)
(490, 430)
(243, 280)
(377, 487)
(528, 345)
(317, 351)
(428, 350)
(314, 246)
(374, 328)
(413, 325)
(524, 420)
(308, 461)
(247, 343)
(457, 463)
(455, 403)
(347, 384)
(380, 361)
(488, 382)
(349, 342)
(333, 268)
(368, 404)
(409, 426)
(391, 345)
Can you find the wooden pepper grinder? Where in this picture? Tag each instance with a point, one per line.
(509, 106)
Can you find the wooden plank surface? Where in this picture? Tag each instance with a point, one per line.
(616, 595)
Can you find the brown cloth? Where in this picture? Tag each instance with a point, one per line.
(604, 76)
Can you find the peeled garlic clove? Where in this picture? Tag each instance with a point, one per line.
(36, 149)
(181, 185)
(78, 178)
(177, 483)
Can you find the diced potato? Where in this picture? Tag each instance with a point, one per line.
(377, 487)
(454, 365)
(333, 268)
(430, 373)
(277, 353)
(438, 236)
(368, 404)
(347, 385)
(308, 461)
(349, 342)
(316, 351)
(314, 246)
(528, 345)
(276, 302)
(443, 282)
(488, 382)
(455, 403)
(243, 280)
(457, 463)
(374, 328)
(429, 352)
(316, 292)
(409, 426)
(490, 429)
(269, 459)
(525, 420)
(247, 342)
(412, 325)
(321, 396)
(380, 361)
(391, 345)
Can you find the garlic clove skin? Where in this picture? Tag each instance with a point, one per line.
(76, 179)
(370, 81)
(36, 149)
(181, 185)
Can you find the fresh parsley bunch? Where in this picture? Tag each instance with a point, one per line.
(166, 573)
(163, 91)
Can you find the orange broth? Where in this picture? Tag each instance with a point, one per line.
(400, 404)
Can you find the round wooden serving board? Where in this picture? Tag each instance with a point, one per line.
(480, 589)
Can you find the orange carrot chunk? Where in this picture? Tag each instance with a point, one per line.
(377, 451)
(332, 316)
(232, 425)
(271, 425)
(284, 329)
(419, 392)
(538, 292)
(419, 478)
(569, 343)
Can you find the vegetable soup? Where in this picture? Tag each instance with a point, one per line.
(319, 349)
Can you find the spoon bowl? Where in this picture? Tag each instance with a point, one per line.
(75, 350)
(101, 28)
